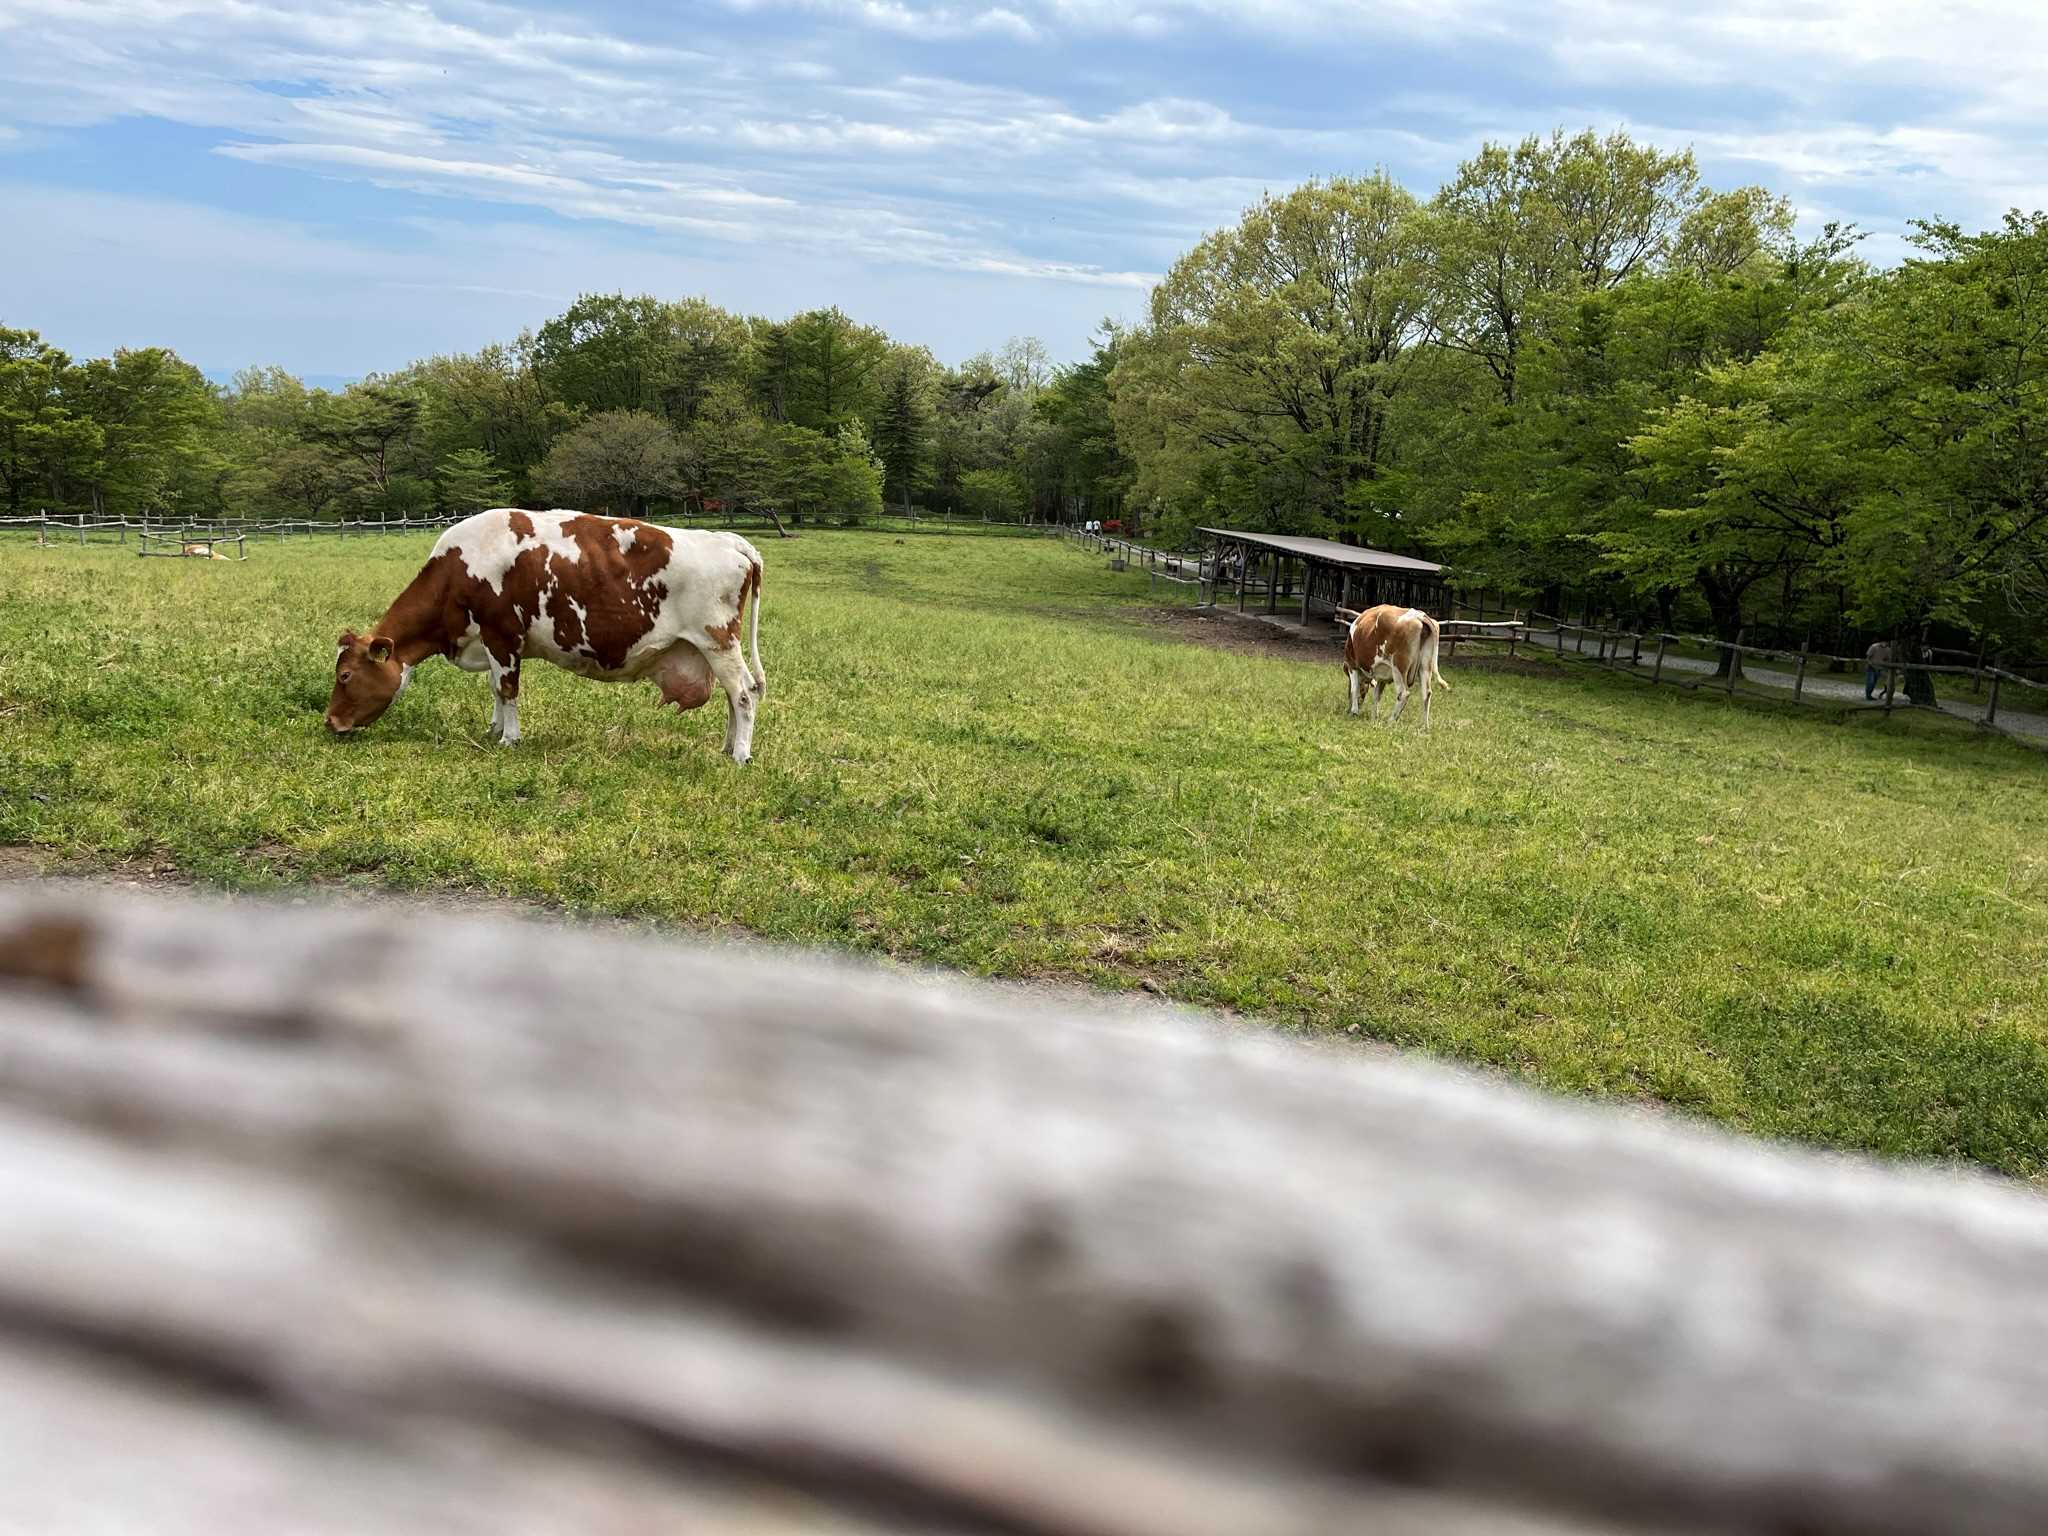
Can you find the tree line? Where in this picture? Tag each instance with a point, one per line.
(620, 404)
(1576, 374)
(1579, 376)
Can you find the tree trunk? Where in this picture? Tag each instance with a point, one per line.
(1919, 684)
(1725, 607)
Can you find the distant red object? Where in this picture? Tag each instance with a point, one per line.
(1113, 525)
(713, 504)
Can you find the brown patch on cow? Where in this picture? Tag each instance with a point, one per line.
(1385, 630)
(569, 633)
(520, 524)
(50, 951)
(727, 635)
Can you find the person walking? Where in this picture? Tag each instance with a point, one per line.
(1875, 661)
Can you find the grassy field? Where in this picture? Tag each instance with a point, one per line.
(975, 752)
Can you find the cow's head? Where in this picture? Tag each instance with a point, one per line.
(367, 678)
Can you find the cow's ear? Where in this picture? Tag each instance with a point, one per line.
(380, 648)
(348, 638)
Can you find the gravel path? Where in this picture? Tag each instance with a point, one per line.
(1847, 690)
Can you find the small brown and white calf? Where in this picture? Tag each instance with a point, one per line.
(1392, 644)
(610, 598)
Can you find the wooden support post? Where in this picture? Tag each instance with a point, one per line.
(1991, 706)
(1273, 584)
(1308, 581)
(1735, 660)
(1891, 678)
(1657, 672)
(1799, 677)
(1513, 635)
(1560, 637)
(1635, 652)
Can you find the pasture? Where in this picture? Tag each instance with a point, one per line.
(980, 754)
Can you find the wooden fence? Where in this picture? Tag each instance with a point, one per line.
(337, 1220)
(1174, 568)
(51, 530)
(1648, 657)
(81, 529)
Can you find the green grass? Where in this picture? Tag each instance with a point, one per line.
(974, 753)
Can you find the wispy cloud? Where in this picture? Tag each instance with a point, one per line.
(1046, 155)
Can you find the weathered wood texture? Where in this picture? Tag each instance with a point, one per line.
(328, 1221)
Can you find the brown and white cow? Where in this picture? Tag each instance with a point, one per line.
(1392, 644)
(610, 598)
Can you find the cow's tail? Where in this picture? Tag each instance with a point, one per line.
(1436, 678)
(754, 631)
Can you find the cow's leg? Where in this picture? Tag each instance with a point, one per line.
(1353, 679)
(505, 697)
(1377, 683)
(1425, 698)
(730, 668)
(1400, 698)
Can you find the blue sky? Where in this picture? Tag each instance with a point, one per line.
(343, 185)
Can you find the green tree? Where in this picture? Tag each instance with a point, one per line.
(469, 481)
(903, 423)
(1089, 471)
(374, 428)
(856, 475)
(1272, 355)
(46, 445)
(834, 372)
(994, 495)
(161, 438)
(617, 461)
(1516, 226)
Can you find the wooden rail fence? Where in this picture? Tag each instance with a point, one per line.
(334, 1220)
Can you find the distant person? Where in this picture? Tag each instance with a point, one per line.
(1875, 660)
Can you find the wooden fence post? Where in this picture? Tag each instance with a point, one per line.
(1799, 677)
(1657, 672)
(1891, 678)
(1991, 707)
(1735, 660)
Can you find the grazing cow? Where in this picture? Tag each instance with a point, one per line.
(604, 597)
(201, 552)
(1392, 644)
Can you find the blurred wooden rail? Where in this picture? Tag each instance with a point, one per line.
(322, 1220)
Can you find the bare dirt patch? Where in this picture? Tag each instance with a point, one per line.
(1225, 631)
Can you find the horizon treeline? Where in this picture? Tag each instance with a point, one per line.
(1575, 373)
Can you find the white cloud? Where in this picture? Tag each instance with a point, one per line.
(1052, 151)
